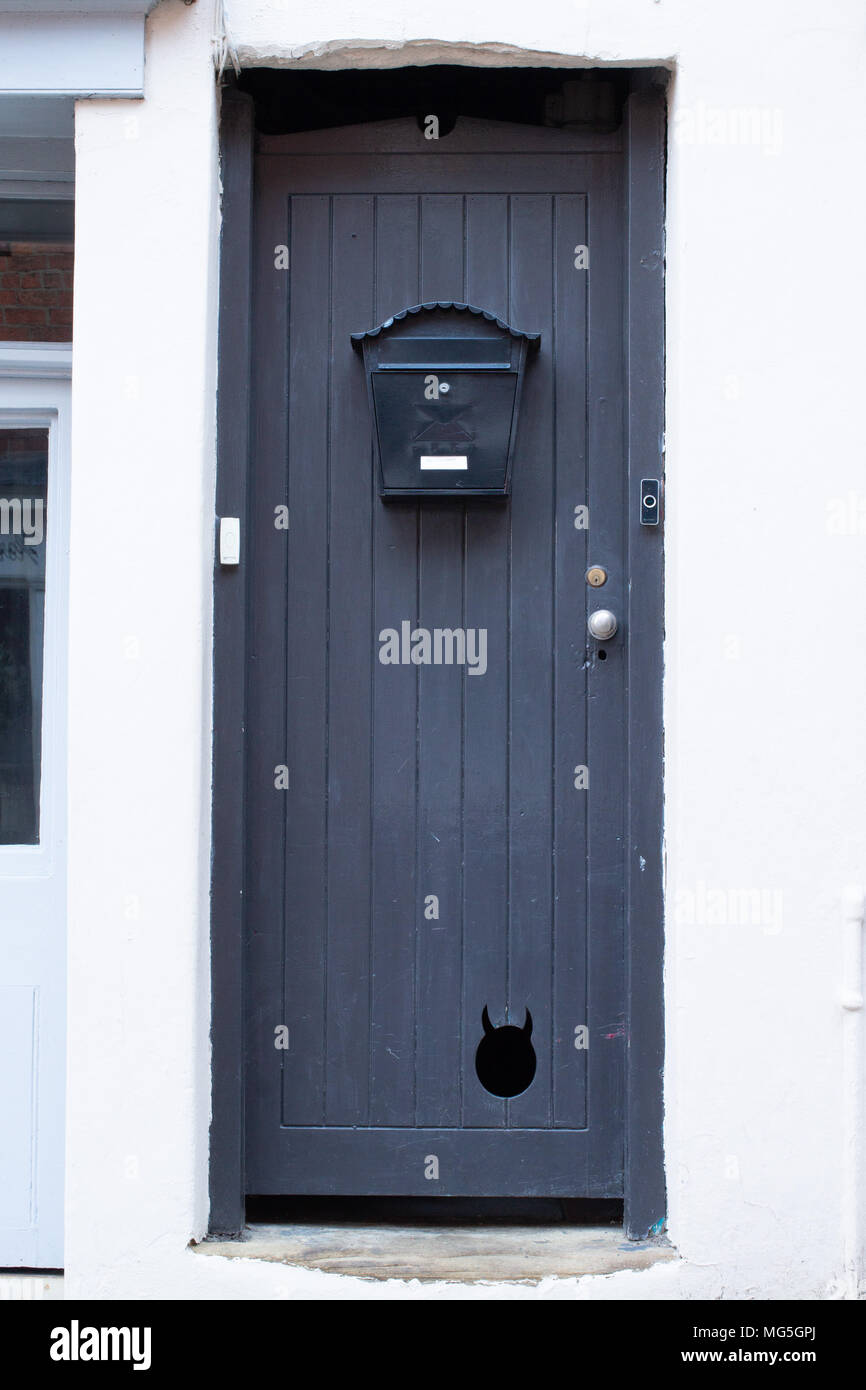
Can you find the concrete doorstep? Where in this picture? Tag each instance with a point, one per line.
(510, 1253)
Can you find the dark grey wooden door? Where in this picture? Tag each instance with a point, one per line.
(446, 858)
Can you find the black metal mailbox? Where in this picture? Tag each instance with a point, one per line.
(445, 381)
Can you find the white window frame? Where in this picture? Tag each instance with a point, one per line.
(35, 382)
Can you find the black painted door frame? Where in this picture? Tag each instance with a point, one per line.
(643, 167)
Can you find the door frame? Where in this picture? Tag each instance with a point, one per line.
(644, 134)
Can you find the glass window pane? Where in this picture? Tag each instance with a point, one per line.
(23, 520)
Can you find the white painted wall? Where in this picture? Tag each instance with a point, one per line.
(766, 737)
(140, 596)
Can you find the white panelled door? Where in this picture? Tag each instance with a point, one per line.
(34, 474)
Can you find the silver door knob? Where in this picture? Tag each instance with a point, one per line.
(601, 624)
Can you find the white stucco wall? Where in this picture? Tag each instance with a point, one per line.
(766, 737)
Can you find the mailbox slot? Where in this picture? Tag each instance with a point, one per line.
(442, 353)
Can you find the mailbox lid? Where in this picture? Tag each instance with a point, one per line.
(440, 319)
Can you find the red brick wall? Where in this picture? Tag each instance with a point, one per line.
(35, 292)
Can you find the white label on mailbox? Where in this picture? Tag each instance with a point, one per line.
(432, 462)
